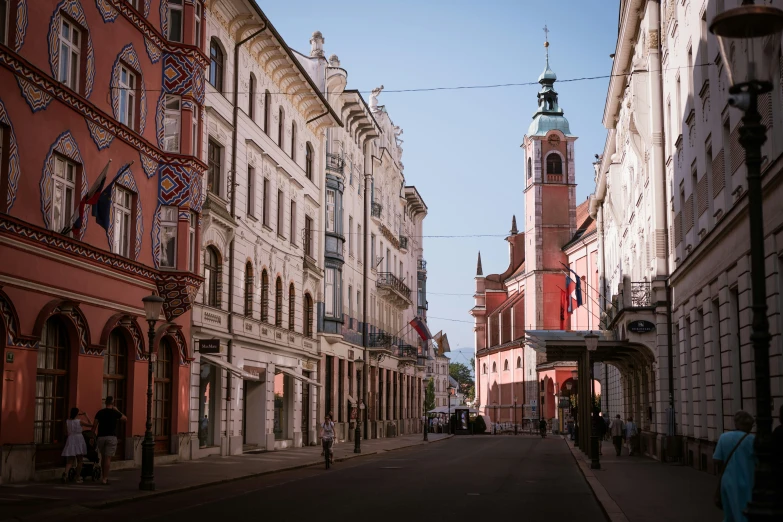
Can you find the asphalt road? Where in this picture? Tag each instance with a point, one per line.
(500, 478)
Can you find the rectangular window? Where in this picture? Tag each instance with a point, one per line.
(4, 6)
(192, 246)
(372, 251)
(329, 292)
(308, 236)
(350, 236)
(251, 191)
(172, 118)
(197, 28)
(330, 211)
(292, 223)
(214, 155)
(194, 133)
(280, 213)
(70, 50)
(350, 302)
(123, 210)
(133, 3)
(127, 96)
(266, 202)
(175, 20)
(359, 237)
(168, 237)
(4, 135)
(64, 190)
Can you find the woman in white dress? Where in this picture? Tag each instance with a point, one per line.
(75, 447)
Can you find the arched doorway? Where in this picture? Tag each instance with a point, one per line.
(161, 398)
(51, 393)
(115, 379)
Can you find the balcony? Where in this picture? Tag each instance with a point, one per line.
(633, 297)
(390, 287)
(334, 163)
(641, 294)
(421, 266)
(406, 351)
(404, 243)
(379, 340)
(377, 208)
(421, 361)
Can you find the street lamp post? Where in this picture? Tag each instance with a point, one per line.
(591, 340)
(575, 414)
(515, 414)
(357, 434)
(426, 418)
(450, 389)
(569, 385)
(752, 32)
(152, 308)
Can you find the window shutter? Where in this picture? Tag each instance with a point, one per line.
(688, 217)
(718, 174)
(702, 193)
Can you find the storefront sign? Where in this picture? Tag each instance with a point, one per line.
(209, 346)
(641, 327)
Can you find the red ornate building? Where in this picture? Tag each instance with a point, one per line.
(84, 83)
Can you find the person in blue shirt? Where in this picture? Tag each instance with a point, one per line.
(736, 484)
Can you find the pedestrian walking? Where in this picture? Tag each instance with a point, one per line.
(600, 426)
(106, 421)
(327, 437)
(617, 430)
(75, 448)
(734, 453)
(630, 435)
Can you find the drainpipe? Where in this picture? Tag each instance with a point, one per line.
(366, 278)
(233, 188)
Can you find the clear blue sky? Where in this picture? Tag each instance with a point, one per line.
(462, 147)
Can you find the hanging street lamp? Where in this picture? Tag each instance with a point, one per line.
(749, 39)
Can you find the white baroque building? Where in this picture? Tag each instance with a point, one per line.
(671, 207)
(259, 245)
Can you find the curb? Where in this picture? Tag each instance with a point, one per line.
(608, 505)
(84, 508)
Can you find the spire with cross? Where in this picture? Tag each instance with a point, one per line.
(546, 43)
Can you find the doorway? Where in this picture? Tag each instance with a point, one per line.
(161, 407)
(305, 410)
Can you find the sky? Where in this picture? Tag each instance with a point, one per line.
(462, 147)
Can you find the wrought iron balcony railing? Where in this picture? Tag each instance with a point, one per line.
(379, 340)
(421, 265)
(334, 163)
(377, 208)
(403, 243)
(641, 294)
(389, 280)
(406, 351)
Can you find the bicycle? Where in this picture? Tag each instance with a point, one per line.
(327, 445)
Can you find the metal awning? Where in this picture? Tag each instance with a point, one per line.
(292, 373)
(239, 372)
(562, 345)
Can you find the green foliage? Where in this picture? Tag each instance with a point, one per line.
(479, 426)
(429, 396)
(463, 375)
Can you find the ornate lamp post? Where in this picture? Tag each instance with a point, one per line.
(748, 37)
(575, 412)
(591, 340)
(450, 390)
(515, 414)
(357, 434)
(426, 418)
(153, 305)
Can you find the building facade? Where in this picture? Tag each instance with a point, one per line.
(261, 253)
(72, 328)
(673, 175)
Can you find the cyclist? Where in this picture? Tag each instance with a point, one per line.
(327, 436)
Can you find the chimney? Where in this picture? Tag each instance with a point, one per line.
(317, 45)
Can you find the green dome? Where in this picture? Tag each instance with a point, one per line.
(543, 123)
(548, 74)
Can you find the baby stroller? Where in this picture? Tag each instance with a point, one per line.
(91, 463)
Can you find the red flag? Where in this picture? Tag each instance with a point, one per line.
(563, 309)
(421, 328)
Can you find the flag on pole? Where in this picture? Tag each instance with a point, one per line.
(570, 288)
(563, 308)
(91, 198)
(421, 328)
(101, 211)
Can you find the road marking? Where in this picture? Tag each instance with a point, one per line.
(474, 494)
(391, 467)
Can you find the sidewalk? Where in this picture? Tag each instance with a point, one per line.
(640, 489)
(44, 500)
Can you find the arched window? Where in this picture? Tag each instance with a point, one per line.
(309, 161)
(161, 406)
(519, 362)
(264, 296)
(267, 110)
(494, 367)
(529, 168)
(216, 63)
(291, 306)
(308, 315)
(51, 389)
(505, 365)
(249, 289)
(115, 374)
(485, 369)
(212, 275)
(279, 302)
(293, 140)
(251, 102)
(554, 167)
(280, 126)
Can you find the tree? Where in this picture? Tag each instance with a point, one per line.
(429, 396)
(464, 377)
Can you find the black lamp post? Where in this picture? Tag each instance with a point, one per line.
(426, 418)
(153, 305)
(745, 35)
(591, 340)
(450, 389)
(575, 410)
(515, 414)
(357, 434)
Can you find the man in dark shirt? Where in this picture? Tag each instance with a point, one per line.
(106, 428)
